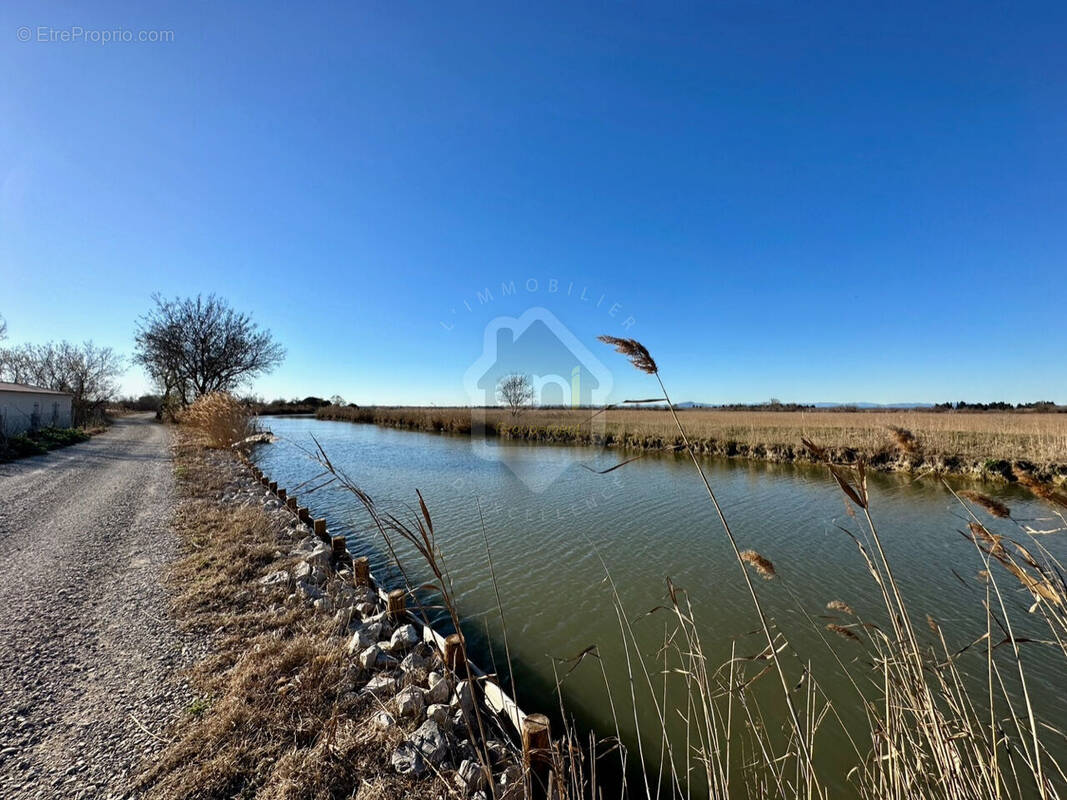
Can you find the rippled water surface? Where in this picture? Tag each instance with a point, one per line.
(549, 521)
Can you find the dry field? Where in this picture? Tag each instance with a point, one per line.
(961, 440)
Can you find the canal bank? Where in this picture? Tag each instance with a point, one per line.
(556, 529)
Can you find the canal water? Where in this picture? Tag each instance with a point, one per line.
(556, 529)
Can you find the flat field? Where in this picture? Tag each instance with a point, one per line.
(970, 438)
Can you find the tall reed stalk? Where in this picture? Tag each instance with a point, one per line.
(934, 732)
(643, 361)
(929, 737)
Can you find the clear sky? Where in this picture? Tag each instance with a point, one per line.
(816, 202)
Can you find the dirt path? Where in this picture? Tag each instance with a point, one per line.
(88, 658)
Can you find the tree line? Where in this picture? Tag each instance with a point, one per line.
(188, 347)
(197, 345)
(87, 372)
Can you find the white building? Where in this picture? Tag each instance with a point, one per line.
(26, 408)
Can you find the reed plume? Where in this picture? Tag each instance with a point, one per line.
(980, 532)
(633, 350)
(994, 507)
(842, 631)
(642, 360)
(759, 563)
(838, 605)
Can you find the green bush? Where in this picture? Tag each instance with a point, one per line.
(23, 445)
(35, 443)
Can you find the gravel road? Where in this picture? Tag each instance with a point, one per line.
(88, 657)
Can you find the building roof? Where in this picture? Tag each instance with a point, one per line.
(21, 387)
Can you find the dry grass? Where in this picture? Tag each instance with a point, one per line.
(949, 440)
(279, 717)
(930, 730)
(218, 420)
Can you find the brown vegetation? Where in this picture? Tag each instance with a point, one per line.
(762, 565)
(932, 729)
(277, 716)
(217, 420)
(979, 443)
(994, 507)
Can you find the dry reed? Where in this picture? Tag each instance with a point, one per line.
(930, 732)
(980, 443)
(219, 420)
(904, 439)
(838, 605)
(762, 565)
(994, 507)
(842, 631)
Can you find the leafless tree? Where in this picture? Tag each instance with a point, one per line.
(87, 372)
(196, 345)
(3, 329)
(515, 390)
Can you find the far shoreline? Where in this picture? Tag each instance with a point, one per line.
(976, 445)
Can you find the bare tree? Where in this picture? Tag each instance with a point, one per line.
(3, 329)
(87, 372)
(193, 346)
(515, 390)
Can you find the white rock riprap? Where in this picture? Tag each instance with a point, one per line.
(412, 691)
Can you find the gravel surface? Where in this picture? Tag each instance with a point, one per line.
(88, 656)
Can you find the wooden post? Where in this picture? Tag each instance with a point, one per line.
(265, 480)
(455, 656)
(320, 529)
(291, 502)
(361, 571)
(304, 514)
(397, 603)
(537, 753)
(273, 486)
(340, 548)
(281, 494)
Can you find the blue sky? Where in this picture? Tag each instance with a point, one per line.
(832, 201)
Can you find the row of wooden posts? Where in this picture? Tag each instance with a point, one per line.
(534, 729)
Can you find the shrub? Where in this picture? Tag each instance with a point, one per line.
(52, 438)
(34, 443)
(22, 446)
(219, 420)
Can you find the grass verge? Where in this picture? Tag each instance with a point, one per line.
(277, 714)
